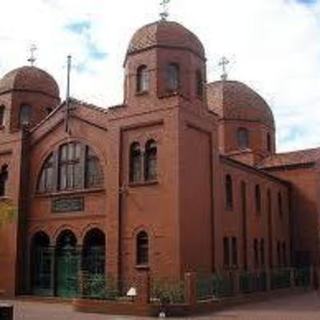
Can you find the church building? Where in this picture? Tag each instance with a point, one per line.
(182, 176)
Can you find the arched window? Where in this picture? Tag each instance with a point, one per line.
(258, 198)
(25, 115)
(199, 84)
(229, 192)
(46, 181)
(269, 142)
(243, 138)
(262, 253)
(150, 166)
(173, 77)
(2, 110)
(280, 204)
(142, 79)
(256, 253)
(135, 162)
(142, 248)
(70, 170)
(3, 180)
(93, 170)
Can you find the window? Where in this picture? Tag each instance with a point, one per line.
(262, 253)
(72, 166)
(199, 84)
(142, 79)
(234, 252)
(150, 161)
(135, 162)
(173, 78)
(284, 254)
(2, 110)
(268, 142)
(46, 182)
(25, 115)
(258, 198)
(226, 256)
(280, 204)
(229, 192)
(3, 180)
(279, 253)
(256, 253)
(142, 248)
(70, 175)
(94, 176)
(243, 138)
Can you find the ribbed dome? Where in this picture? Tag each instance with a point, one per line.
(233, 100)
(165, 34)
(30, 79)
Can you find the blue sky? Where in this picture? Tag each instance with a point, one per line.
(273, 45)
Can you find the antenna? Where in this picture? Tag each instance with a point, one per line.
(164, 14)
(32, 58)
(69, 61)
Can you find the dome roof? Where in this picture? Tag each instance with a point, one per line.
(165, 34)
(30, 79)
(233, 100)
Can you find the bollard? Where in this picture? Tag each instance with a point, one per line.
(6, 311)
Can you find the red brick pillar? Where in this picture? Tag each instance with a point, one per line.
(190, 279)
(143, 288)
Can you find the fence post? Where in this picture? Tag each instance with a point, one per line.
(268, 279)
(143, 288)
(292, 278)
(312, 277)
(236, 282)
(190, 288)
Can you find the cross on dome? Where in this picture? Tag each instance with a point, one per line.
(164, 14)
(223, 63)
(32, 58)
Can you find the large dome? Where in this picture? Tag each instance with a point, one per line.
(165, 34)
(29, 79)
(233, 100)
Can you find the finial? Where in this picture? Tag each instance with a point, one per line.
(32, 58)
(223, 63)
(164, 14)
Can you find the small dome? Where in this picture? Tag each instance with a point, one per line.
(165, 34)
(29, 79)
(233, 100)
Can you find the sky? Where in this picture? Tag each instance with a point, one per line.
(273, 46)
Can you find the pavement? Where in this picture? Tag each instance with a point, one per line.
(295, 307)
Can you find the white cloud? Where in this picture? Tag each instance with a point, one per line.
(273, 44)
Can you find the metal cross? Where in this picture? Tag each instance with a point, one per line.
(223, 63)
(32, 58)
(164, 14)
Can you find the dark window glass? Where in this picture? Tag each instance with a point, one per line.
(173, 78)
(135, 162)
(94, 176)
(258, 198)
(229, 192)
(234, 252)
(142, 79)
(243, 138)
(2, 111)
(142, 248)
(151, 161)
(279, 253)
(226, 254)
(25, 115)
(268, 142)
(262, 253)
(199, 84)
(3, 180)
(284, 254)
(256, 253)
(46, 182)
(280, 204)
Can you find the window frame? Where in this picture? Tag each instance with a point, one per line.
(228, 192)
(173, 78)
(25, 111)
(151, 161)
(142, 249)
(142, 79)
(243, 138)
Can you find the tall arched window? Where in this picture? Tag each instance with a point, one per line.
(258, 198)
(2, 111)
(93, 170)
(46, 181)
(269, 142)
(229, 192)
(280, 204)
(256, 253)
(243, 138)
(142, 79)
(199, 84)
(262, 253)
(173, 76)
(25, 115)
(3, 180)
(135, 162)
(142, 248)
(150, 165)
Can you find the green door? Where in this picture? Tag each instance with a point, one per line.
(67, 273)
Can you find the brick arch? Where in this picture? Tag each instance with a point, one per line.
(65, 227)
(42, 228)
(90, 227)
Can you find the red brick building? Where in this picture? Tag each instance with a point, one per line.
(183, 176)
